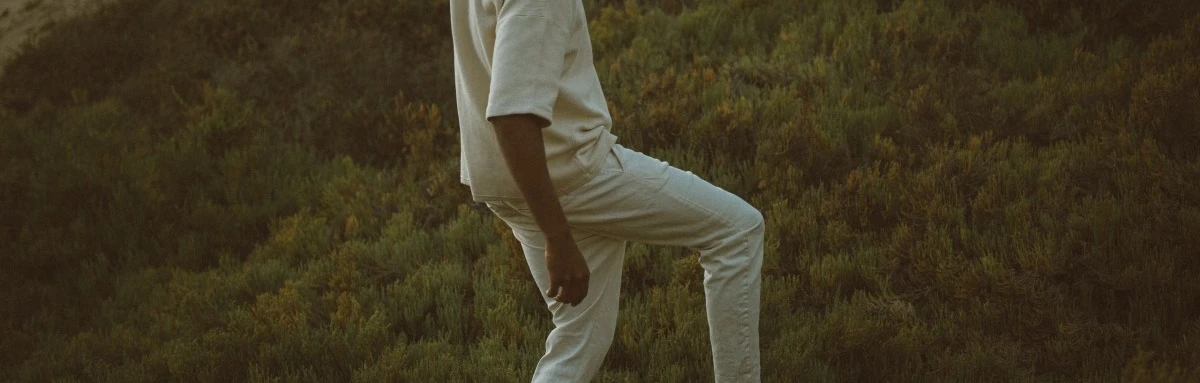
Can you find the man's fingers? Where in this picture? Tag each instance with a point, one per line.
(571, 296)
(578, 291)
(569, 292)
(582, 291)
(579, 295)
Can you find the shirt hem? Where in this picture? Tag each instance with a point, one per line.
(603, 146)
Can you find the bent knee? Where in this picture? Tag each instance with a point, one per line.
(750, 221)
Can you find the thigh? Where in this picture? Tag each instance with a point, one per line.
(639, 198)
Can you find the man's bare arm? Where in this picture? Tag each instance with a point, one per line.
(520, 138)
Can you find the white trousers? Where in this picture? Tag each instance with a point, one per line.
(639, 198)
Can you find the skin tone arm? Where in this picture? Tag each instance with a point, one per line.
(520, 138)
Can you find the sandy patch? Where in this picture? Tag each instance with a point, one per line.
(21, 20)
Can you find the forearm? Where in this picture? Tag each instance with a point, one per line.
(520, 139)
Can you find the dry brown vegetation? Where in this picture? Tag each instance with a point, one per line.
(266, 190)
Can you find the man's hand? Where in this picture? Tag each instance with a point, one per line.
(520, 139)
(568, 271)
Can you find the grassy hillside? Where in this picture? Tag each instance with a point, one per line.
(266, 190)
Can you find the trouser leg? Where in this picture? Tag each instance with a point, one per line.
(583, 333)
(638, 198)
(642, 199)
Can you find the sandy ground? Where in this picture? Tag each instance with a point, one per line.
(22, 19)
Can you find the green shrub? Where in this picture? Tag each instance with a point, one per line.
(267, 190)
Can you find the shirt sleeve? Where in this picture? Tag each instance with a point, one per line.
(528, 58)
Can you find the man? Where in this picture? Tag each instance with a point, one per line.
(536, 148)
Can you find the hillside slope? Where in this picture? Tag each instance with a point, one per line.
(266, 190)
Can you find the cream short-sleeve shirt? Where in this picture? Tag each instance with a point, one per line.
(527, 57)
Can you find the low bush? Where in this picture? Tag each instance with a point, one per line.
(267, 190)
